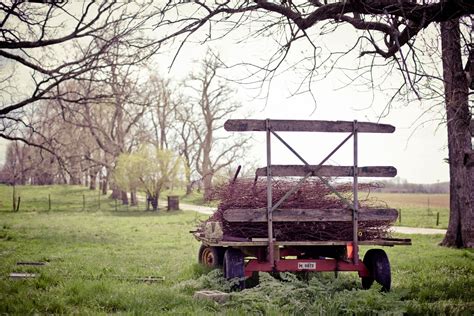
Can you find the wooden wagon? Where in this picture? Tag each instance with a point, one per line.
(243, 259)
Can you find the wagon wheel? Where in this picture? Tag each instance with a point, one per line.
(234, 267)
(377, 263)
(210, 256)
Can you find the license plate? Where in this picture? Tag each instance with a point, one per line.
(306, 265)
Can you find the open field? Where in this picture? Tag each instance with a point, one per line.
(417, 209)
(96, 261)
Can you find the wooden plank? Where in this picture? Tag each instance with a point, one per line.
(22, 275)
(375, 242)
(469, 159)
(328, 171)
(309, 215)
(306, 126)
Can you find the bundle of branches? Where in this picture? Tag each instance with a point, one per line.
(312, 194)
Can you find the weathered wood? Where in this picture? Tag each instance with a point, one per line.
(30, 263)
(309, 215)
(328, 171)
(264, 243)
(217, 296)
(306, 126)
(469, 159)
(22, 275)
(472, 128)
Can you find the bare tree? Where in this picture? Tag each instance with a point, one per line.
(34, 35)
(188, 143)
(163, 104)
(214, 104)
(387, 36)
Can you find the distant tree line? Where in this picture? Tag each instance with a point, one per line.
(122, 109)
(403, 186)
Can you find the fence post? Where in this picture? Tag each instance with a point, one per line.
(49, 202)
(437, 219)
(14, 199)
(400, 216)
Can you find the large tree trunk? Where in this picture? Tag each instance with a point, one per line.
(154, 202)
(461, 217)
(104, 185)
(93, 179)
(116, 193)
(124, 197)
(133, 198)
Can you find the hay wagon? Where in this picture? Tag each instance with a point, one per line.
(244, 258)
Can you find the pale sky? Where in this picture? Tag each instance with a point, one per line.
(417, 151)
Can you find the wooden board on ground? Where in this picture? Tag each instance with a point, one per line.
(212, 295)
(309, 215)
(22, 275)
(306, 126)
(327, 171)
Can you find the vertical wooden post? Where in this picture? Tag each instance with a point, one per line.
(115, 205)
(14, 198)
(400, 216)
(437, 219)
(271, 249)
(355, 220)
(49, 202)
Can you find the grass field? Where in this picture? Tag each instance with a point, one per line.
(96, 261)
(417, 210)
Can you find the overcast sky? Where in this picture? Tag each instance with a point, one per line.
(416, 150)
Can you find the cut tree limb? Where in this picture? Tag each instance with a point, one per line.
(309, 215)
(469, 159)
(328, 171)
(306, 126)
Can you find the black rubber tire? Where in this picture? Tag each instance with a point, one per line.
(376, 261)
(234, 267)
(210, 257)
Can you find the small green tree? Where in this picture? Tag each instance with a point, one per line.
(150, 169)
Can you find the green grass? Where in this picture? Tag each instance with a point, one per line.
(62, 197)
(95, 257)
(417, 210)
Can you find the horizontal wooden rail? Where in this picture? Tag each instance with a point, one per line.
(306, 126)
(309, 215)
(328, 171)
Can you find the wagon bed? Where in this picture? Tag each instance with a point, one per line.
(243, 258)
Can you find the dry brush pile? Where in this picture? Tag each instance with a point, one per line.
(313, 194)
